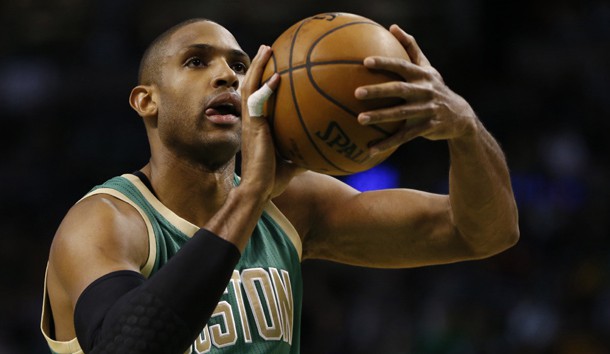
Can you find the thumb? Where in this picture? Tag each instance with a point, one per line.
(410, 45)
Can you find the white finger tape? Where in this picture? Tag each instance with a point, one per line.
(257, 100)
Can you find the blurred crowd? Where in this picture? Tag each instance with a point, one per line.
(537, 72)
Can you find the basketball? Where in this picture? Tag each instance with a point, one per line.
(313, 113)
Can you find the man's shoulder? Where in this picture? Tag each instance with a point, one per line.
(100, 221)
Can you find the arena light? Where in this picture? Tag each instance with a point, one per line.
(382, 176)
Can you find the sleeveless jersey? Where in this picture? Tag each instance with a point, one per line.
(260, 310)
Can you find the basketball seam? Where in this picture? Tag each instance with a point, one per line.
(309, 66)
(296, 103)
(320, 63)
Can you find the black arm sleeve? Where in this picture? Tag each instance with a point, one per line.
(122, 312)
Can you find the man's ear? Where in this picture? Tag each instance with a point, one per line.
(142, 101)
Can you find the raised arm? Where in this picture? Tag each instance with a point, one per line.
(407, 228)
(396, 228)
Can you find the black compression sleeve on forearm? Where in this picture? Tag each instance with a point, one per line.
(195, 278)
(97, 299)
(140, 322)
(163, 314)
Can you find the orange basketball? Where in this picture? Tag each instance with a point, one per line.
(313, 113)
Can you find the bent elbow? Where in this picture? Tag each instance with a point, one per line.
(514, 237)
(511, 233)
(508, 239)
(496, 242)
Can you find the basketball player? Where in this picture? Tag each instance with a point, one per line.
(182, 256)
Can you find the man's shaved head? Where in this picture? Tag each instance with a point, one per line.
(150, 71)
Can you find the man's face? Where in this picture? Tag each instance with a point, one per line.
(199, 115)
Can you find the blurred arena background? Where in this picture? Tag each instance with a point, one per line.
(536, 71)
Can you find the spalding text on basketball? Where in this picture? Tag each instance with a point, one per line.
(337, 139)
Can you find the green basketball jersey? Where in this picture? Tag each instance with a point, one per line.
(260, 310)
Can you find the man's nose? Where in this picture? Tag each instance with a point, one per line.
(225, 76)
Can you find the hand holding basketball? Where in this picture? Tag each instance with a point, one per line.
(258, 159)
(313, 114)
(260, 167)
(430, 109)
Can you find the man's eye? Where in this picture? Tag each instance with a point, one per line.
(194, 62)
(239, 68)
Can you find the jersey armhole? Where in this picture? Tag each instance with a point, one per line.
(279, 218)
(282, 221)
(46, 322)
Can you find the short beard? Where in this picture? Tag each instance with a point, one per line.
(192, 143)
(210, 157)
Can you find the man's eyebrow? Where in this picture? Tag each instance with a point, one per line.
(201, 46)
(232, 52)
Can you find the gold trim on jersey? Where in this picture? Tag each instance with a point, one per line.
(286, 225)
(276, 214)
(59, 347)
(185, 226)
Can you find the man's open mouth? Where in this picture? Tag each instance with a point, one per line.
(224, 108)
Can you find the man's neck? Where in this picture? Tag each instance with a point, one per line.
(192, 192)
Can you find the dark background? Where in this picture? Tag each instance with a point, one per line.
(536, 72)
